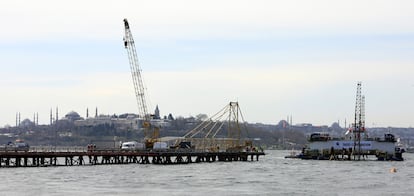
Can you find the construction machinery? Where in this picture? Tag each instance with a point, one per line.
(151, 133)
(355, 145)
(209, 134)
(359, 123)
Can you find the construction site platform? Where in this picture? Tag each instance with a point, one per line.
(103, 157)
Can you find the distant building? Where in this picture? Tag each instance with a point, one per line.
(73, 116)
(27, 123)
(157, 113)
(160, 123)
(304, 125)
(170, 117)
(123, 121)
(283, 124)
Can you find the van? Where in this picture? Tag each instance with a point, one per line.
(132, 145)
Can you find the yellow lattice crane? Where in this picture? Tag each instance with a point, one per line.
(151, 133)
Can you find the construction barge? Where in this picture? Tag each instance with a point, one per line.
(324, 147)
(79, 158)
(355, 144)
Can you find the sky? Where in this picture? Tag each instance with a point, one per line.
(276, 58)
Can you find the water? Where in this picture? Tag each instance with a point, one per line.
(272, 175)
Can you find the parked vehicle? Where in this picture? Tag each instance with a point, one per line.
(132, 145)
(18, 145)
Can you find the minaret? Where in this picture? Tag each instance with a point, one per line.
(34, 118)
(287, 122)
(96, 112)
(37, 118)
(19, 119)
(87, 112)
(345, 123)
(51, 116)
(57, 114)
(17, 116)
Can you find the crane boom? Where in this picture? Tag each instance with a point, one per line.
(136, 73)
(150, 138)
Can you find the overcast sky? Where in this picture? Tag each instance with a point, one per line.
(276, 58)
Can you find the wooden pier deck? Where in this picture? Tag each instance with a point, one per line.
(102, 157)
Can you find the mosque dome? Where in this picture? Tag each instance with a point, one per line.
(26, 122)
(73, 116)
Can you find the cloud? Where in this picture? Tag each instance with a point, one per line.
(318, 93)
(275, 57)
(107, 91)
(46, 19)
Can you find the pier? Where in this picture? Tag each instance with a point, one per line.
(104, 157)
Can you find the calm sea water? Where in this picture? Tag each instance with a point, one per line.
(272, 175)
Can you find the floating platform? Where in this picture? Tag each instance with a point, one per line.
(43, 159)
(347, 157)
(324, 147)
(347, 154)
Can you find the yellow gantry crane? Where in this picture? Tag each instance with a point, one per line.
(151, 133)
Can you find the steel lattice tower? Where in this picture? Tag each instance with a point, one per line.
(358, 124)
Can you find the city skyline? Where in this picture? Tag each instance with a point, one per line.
(275, 58)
